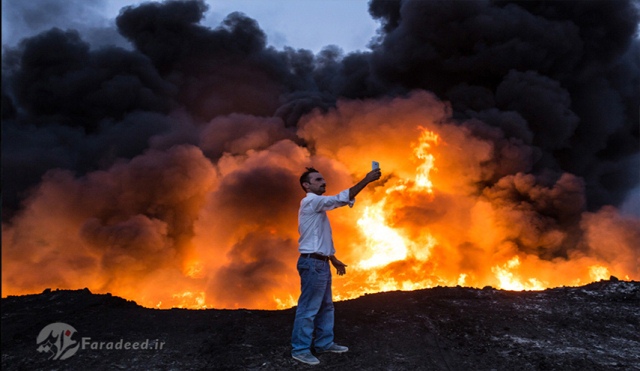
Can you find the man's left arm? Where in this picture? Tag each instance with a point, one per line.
(341, 268)
(371, 176)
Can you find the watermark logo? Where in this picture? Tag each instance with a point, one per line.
(56, 340)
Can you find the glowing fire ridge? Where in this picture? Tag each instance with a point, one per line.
(510, 281)
(193, 300)
(598, 272)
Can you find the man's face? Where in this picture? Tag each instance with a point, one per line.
(316, 184)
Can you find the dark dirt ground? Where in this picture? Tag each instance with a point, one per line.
(593, 327)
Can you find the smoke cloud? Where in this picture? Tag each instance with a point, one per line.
(165, 168)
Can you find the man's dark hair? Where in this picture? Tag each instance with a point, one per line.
(304, 178)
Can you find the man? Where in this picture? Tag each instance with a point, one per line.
(315, 305)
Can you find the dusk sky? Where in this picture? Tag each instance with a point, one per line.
(308, 24)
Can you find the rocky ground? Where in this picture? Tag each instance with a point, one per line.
(594, 327)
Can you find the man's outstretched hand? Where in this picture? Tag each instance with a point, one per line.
(341, 268)
(373, 175)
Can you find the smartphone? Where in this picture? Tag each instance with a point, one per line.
(375, 165)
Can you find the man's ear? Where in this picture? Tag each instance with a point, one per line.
(306, 185)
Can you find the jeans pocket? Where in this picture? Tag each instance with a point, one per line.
(319, 266)
(303, 266)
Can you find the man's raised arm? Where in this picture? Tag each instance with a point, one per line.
(371, 176)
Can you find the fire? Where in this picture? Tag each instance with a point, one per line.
(385, 245)
(195, 270)
(421, 151)
(285, 303)
(187, 299)
(510, 280)
(598, 272)
(223, 235)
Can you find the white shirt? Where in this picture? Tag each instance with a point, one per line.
(313, 224)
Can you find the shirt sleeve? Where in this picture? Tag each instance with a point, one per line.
(326, 203)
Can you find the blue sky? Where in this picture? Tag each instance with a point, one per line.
(307, 24)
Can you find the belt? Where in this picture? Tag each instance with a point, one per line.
(315, 256)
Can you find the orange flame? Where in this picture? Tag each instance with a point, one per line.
(510, 281)
(426, 141)
(201, 241)
(385, 244)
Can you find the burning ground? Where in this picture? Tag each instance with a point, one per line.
(592, 327)
(166, 170)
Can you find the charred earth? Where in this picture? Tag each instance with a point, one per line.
(593, 327)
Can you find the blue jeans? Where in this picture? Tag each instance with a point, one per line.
(315, 307)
